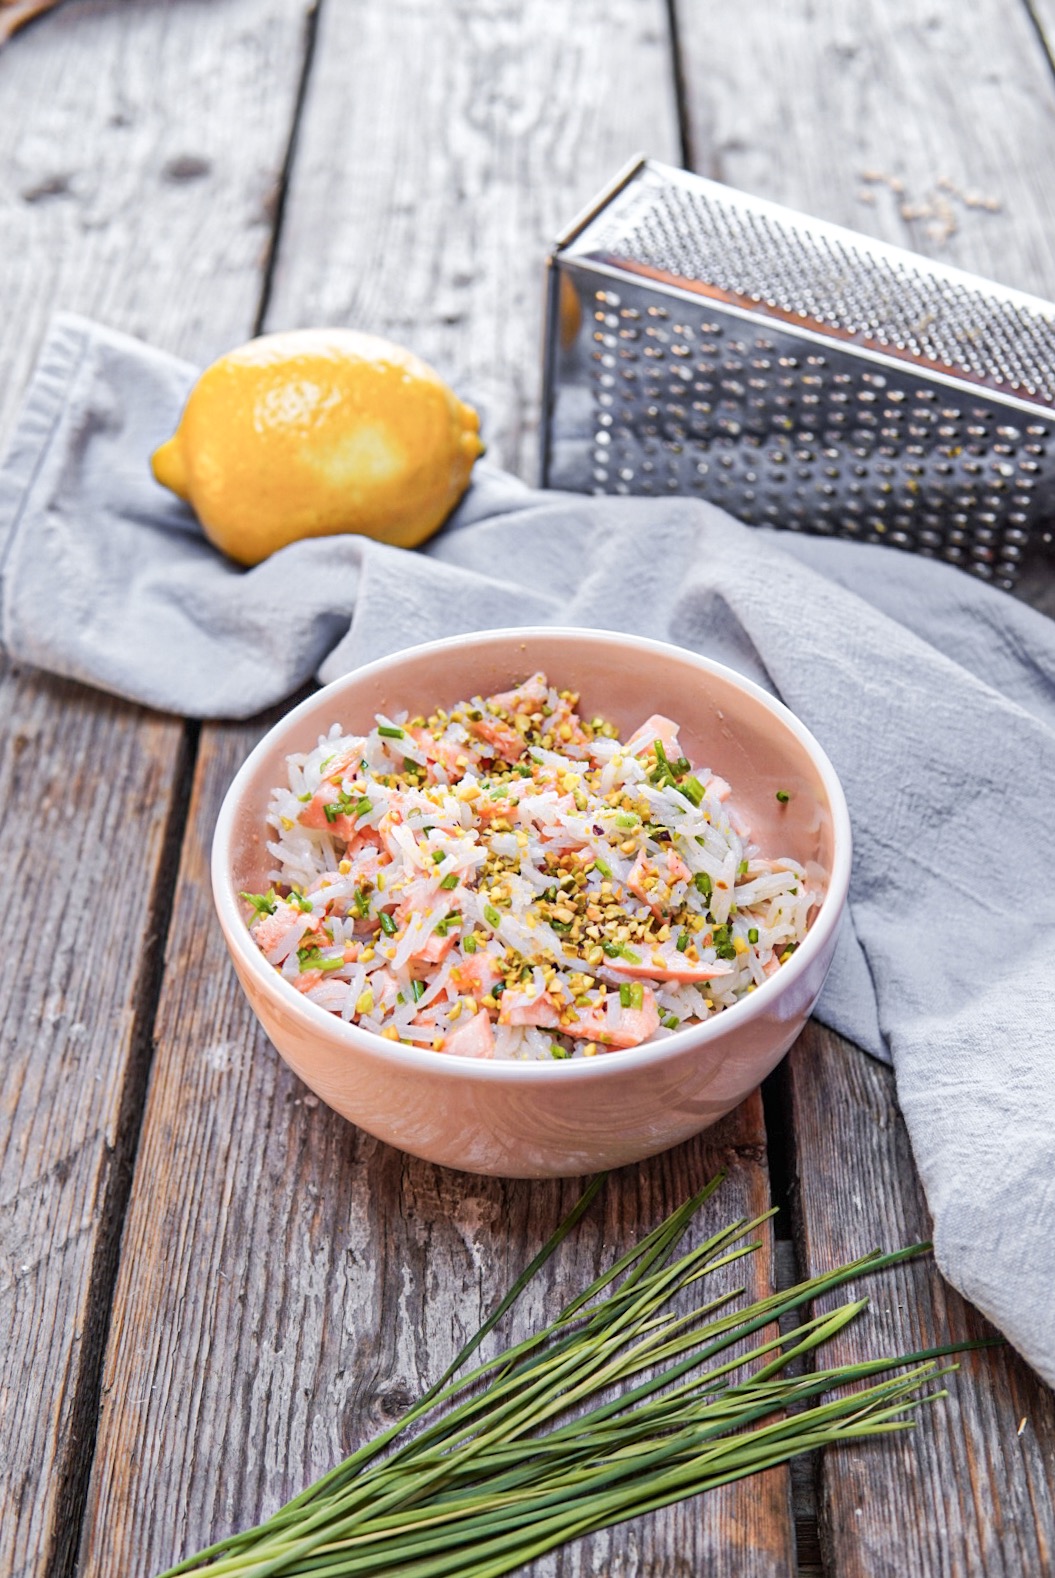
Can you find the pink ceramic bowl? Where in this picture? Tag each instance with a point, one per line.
(535, 1120)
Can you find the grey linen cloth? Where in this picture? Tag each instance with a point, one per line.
(934, 696)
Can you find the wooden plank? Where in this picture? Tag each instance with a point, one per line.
(941, 145)
(289, 1285)
(972, 1489)
(902, 121)
(442, 149)
(141, 156)
(72, 1064)
(123, 194)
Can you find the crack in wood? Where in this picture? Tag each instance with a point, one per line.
(75, 1467)
(275, 207)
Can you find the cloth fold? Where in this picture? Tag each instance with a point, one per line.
(933, 694)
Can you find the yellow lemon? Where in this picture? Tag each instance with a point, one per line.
(315, 432)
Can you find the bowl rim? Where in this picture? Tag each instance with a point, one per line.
(454, 1065)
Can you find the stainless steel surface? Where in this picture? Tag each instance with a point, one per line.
(703, 342)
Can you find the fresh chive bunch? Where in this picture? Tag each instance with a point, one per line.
(619, 1407)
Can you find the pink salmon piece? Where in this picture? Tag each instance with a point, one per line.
(519, 1008)
(473, 1039)
(655, 728)
(629, 1028)
(685, 974)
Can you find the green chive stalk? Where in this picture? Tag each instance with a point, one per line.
(619, 1407)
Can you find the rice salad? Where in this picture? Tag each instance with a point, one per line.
(508, 879)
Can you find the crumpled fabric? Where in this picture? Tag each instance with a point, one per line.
(933, 694)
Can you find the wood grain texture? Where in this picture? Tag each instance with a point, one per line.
(141, 152)
(123, 194)
(289, 1285)
(927, 126)
(441, 149)
(72, 1064)
(972, 1489)
(1042, 15)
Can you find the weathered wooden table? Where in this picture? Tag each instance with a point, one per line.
(210, 1286)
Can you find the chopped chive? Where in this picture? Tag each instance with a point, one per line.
(670, 1021)
(637, 995)
(388, 925)
(305, 797)
(418, 990)
(263, 903)
(612, 949)
(693, 790)
(741, 869)
(624, 994)
(703, 884)
(303, 904)
(628, 954)
(438, 855)
(783, 796)
(310, 958)
(603, 867)
(557, 1051)
(752, 935)
(390, 732)
(469, 944)
(491, 916)
(332, 812)
(682, 942)
(450, 881)
(363, 807)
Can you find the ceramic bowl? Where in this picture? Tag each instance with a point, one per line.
(553, 1119)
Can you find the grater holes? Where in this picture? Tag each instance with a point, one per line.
(870, 456)
(838, 279)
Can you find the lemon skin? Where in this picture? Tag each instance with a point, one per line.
(316, 432)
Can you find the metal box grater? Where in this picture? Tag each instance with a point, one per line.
(700, 341)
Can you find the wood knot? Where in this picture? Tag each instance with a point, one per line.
(185, 167)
